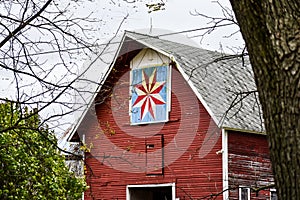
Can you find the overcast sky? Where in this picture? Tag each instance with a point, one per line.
(176, 17)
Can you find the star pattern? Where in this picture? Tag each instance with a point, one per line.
(148, 94)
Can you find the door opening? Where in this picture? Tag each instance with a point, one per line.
(151, 192)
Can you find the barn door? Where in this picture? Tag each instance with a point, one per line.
(155, 155)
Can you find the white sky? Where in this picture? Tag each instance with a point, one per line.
(176, 17)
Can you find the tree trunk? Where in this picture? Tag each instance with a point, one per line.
(272, 34)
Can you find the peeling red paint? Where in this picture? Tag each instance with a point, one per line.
(249, 163)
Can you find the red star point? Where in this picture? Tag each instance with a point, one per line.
(148, 94)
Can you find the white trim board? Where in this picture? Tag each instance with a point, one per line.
(225, 164)
(151, 186)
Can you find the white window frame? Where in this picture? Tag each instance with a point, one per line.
(272, 190)
(168, 96)
(240, 192)
(151, 186)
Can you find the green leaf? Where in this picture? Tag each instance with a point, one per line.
(31, 166)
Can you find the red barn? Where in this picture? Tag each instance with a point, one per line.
(170, 121)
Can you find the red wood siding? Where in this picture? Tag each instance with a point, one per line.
(194, 177)
(248, 163)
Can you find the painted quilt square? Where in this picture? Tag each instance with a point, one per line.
(149, 95)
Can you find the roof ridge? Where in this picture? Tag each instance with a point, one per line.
(163, 39)
(143, 34)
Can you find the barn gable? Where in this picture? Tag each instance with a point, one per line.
(207, 96)
(223, 83)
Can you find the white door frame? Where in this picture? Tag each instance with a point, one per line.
(151, 186)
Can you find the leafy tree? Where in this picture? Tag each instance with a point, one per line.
(31, 166)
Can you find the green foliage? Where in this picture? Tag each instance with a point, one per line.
(31, 167)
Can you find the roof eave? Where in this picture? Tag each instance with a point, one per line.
(244, 130)
(195, 90)
(77, 124)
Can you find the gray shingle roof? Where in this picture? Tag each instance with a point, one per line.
(224, 82)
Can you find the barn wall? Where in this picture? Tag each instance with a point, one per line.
(117, 154)
(248, 163)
